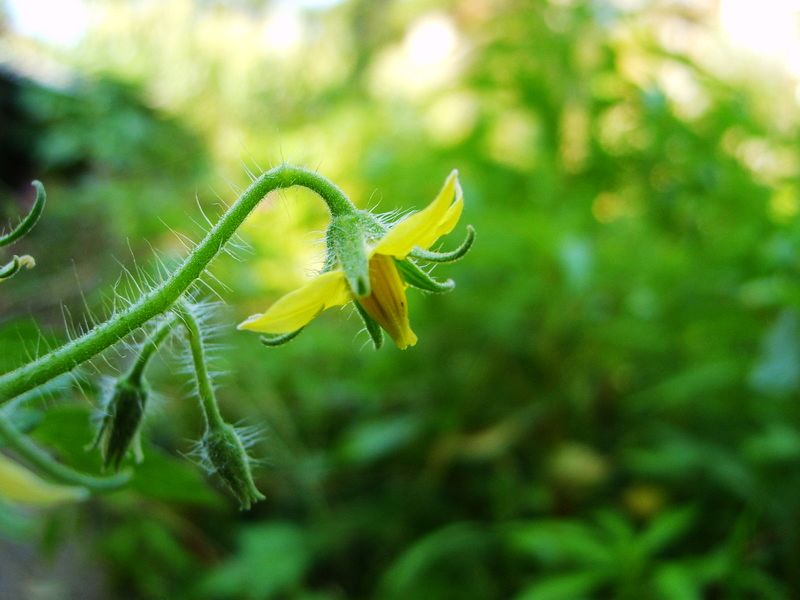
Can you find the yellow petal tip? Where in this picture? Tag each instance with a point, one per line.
(247, 324)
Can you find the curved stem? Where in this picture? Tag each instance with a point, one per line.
(161, 298)
(30, 219)
(13, 267)
(38, 458)
(205, 389)
(149, 347)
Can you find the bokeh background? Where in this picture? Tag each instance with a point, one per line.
(606, 406)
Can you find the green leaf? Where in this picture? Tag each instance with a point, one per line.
(666, 529)
(375, 439)
(570, 586)
(778, 368)
(560, 542)
(271, 559)
(676, 582)
(451, 562)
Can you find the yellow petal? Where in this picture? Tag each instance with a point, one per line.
(297, 308)
(387, 301)
(17, 484)
(450, 219)
(423, 228)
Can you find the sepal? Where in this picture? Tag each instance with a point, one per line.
(119, 430)
(416, 277)
(273, 341)
(447, 257)
(373, 329)
(346, 238)
(226, 455)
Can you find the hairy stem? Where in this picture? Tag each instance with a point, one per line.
(205, 389)
(149, 348)
(161, 298)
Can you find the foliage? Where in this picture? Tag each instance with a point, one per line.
(606, 408)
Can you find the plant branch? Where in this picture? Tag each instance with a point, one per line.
(30, 219)
(161, 298)
(40, 459)
(205, 388)
(149, 347)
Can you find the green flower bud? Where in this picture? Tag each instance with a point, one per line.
(226, 455)
(119, 431)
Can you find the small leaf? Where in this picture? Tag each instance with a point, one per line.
(560, 542)
(666, 528)
(370, 441)
(272, 559)
(570, 586)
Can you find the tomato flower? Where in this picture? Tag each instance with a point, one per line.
(389, 252)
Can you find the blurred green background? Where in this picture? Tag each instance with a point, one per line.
(605, 407)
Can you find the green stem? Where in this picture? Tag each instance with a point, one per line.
(38, 458)
(161, 298)
(149, 348)
(30, 219)
(205, 388)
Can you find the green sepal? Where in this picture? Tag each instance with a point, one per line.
(370, 225)
(330, 253)
(228, 458)
(15, 265)
(119, 430)
(446, 257)
(273, 341)
(346, 237)
(416, 277)
(30, 219)
(373, 329)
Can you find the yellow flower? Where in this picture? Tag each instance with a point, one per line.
(386, 301)
(19, 485)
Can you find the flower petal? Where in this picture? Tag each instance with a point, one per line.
(297, 308)
(450, 219)
(423, 228)
(387, 303)
(18, 484)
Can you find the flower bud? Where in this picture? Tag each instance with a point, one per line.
(227, 456)
(119, 430)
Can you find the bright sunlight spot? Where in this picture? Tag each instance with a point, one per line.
(283, 32)
(61, 23)
(430, 41)
(425, 61)
(769, 29)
